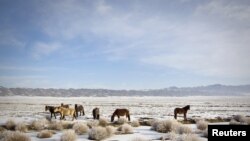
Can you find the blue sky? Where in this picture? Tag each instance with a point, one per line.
(130, 44)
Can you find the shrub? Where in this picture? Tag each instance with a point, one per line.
(67, 125)
(92, 123)
(2, 129)
(187, 137)
(234, 122)
(45, 134)
(165, 126)
(110, 130)
(121, 121)
(125, 129)
(14, 136)
(39, 124)
(98, 133)
(68, 135)
(168, 136)
(22, 127)
(80, 128)
(182, 129)
(103, 122)
(56, 126)
(135, 123)
(10, 124)
(239, 118)
(201, 125)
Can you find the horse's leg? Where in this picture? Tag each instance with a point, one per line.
(55, 115)
(51, 115)
(128, 116)
(98, 116)
(185, 118)
(175, 115)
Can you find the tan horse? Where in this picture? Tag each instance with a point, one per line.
(66, 112)
(65, 105)
(96, 113)
(120, 112)
(181, 111)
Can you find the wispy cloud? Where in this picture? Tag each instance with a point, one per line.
(44, 49)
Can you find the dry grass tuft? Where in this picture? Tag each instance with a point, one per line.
(10, 124)
(93, 123)
(45, 134)
(103, 122)
(239, 118)
(67, 125)
(56, 126)
(69, 135)
(201, 125)
(169, 136)
(22, 127)
(100, 133)
(14, 136)
(182, 129)
(80, 128)
(125, 129)
(164, 126)
(135, 123)
(187, 137)
(39, 124)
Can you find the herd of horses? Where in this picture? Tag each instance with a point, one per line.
(66, 110)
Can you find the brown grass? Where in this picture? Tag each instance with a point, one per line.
(125, 129)
(45, 134)
(201, 125)
(135, 123)
(22, 127)
(14, 136)
(54, 125)
(10, 124)
(103, 122)
(164, 126)
(69, 135)
(39, 124)
(100, 133)
(80, 128)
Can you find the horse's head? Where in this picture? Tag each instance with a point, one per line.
(46, 108)
(61, 104)
(188, 107)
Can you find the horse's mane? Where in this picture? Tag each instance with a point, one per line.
(186, 107)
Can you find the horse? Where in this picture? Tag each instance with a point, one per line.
(79, 108)
(66, 112)
(65, 106)
(51, 110)
(120, 112)
(96, 113)
(181, 111)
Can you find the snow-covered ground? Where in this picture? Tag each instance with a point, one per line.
(22, 108)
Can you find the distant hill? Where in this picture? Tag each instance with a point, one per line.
(210, 90)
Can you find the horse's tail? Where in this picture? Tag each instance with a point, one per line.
(175, 113)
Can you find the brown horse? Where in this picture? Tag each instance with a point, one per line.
(64, 105)
(79, 108)
(51, 110)
(120, 112)
(66, 112)
(96, 113)
(181, 111)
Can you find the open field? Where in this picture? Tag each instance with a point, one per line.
(27, 109)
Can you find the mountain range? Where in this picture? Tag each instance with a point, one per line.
(210, 90)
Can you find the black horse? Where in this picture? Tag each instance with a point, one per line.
(79, 108)
(181, 111)
(96, 113)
